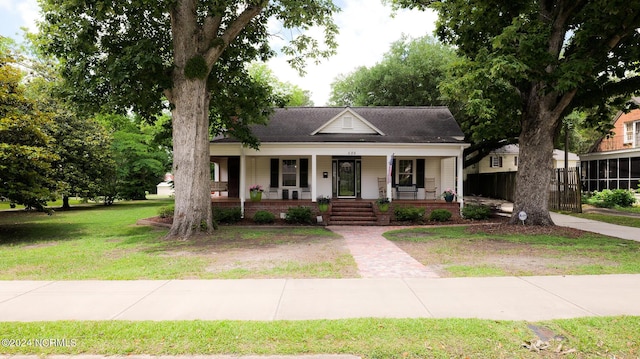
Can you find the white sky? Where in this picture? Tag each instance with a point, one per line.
(366, 32)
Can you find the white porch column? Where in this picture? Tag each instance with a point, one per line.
(388, 165)
(243, 180)
(314, 179)
(460, 175)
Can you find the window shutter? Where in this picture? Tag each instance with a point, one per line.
(393, 173)
(304, 172)
(420, 172)
(500, 161)
(275, 173)
(490, 161)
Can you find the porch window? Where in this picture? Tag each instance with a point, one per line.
(495, 161)
(405, 173)
(289, 173)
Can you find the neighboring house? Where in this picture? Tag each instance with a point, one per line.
(350, 153)
(165, 188)
(495, 175)
(614, 161)
(505, 159)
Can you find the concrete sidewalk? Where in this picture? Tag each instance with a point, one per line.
(500, 298)
(613, 230)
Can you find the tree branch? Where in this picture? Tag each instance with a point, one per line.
(210, 30)
(234, 30)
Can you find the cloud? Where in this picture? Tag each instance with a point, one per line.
(366, 32)
(30, 13)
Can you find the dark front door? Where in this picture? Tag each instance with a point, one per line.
(346, 177)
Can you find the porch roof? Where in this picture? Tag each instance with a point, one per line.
(399, 125)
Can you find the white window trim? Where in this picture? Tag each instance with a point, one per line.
(496, 162)
(413, 170)
(629, 133)
(282, 173)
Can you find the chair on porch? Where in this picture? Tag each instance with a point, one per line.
(273, 193)
(305, 191)
(382, 187)
(430, 187)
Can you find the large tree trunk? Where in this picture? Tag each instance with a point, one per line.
(535, 162)
(65, 202)
(192, 213)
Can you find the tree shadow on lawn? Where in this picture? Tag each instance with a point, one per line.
(25, 233)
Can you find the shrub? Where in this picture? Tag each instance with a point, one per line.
(166, 211)
(412, 214)
(440, 215)
(476, 212)
(299, 214)
(264, 217)
(227, 215)
(611, 198)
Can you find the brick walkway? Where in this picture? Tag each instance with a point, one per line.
(378, 257)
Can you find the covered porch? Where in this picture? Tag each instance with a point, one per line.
(296, 174)
(340, 212)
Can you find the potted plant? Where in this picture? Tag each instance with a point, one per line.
(255, 193)
(323, 203)
(383, 204)
(448, 195)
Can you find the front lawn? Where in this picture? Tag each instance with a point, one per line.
(105, 243)
(501, 250)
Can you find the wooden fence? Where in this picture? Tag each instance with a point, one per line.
(565, 190)
(564, 194)
(501, 185)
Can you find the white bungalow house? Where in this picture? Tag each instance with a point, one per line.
(408, 153)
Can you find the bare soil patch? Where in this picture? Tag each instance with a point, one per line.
(267, 252)
(503, 256)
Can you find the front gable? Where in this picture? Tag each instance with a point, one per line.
(348, 122)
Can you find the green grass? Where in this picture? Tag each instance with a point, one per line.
(89, 243)
(619, 220)
(369, 338)
(454, 244)
(101, 242)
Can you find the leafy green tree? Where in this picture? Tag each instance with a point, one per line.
(82, 162)
(532, 62)
(410, 74)
(285, 93)
(131, 55)
(25, 155)
(140, 161)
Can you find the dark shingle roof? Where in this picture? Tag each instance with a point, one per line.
(399, 125)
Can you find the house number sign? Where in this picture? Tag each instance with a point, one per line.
(351, 153)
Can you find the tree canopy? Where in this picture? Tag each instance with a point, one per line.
(410, 74)
(532, 62)
(26, 157)
(190, 55)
